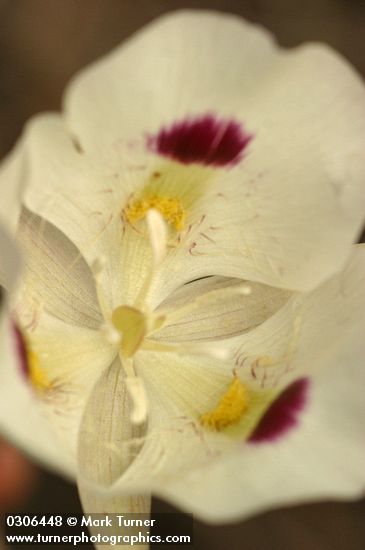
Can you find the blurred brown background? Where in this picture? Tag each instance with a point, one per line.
(42, 44)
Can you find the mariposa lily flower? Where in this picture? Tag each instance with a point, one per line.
(190, 315)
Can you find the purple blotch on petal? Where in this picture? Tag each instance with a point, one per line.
(204, 140)
(20, 350)
(282, 415)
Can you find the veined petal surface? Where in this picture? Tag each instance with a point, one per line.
(108, 444)
(57, 278)
(220, 477)
(217, 307)
(84, 199)
(323, 456)
(70, 360)
(19, 411)
(302, 176)
(20, 417)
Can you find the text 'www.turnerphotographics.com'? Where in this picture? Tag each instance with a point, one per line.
(108, 529)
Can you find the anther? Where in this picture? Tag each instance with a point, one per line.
(137, 393)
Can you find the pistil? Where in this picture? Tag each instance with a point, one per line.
(132, 325)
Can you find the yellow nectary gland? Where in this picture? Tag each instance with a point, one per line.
(37, 375)
(229, 409)
(170, 208)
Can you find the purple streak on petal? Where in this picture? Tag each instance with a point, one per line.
(20, 350)
(203, 140)
(282, 415)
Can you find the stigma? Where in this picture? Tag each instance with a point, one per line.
(170, 209)
(132, 325)
(232, 405)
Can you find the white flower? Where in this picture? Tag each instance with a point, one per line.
(191, 308)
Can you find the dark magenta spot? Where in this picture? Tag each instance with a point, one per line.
(20, 350)
(205, 140)
(283, 413)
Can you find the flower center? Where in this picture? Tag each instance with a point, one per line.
(170, 209)
(132, 326)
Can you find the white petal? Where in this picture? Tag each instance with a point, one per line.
(329, 439)
(84, 199)
(287, 214)
(72, 359)
(18, 409)
(309, 329)
(294, 204)
(182, 388)
(66, 187)
(186, 384)
(21, 420)
(322, 458)
(145, 83)
(117, 458)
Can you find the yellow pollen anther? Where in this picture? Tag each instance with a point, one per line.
(170, 208)
(229, 409)
(37, 375)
